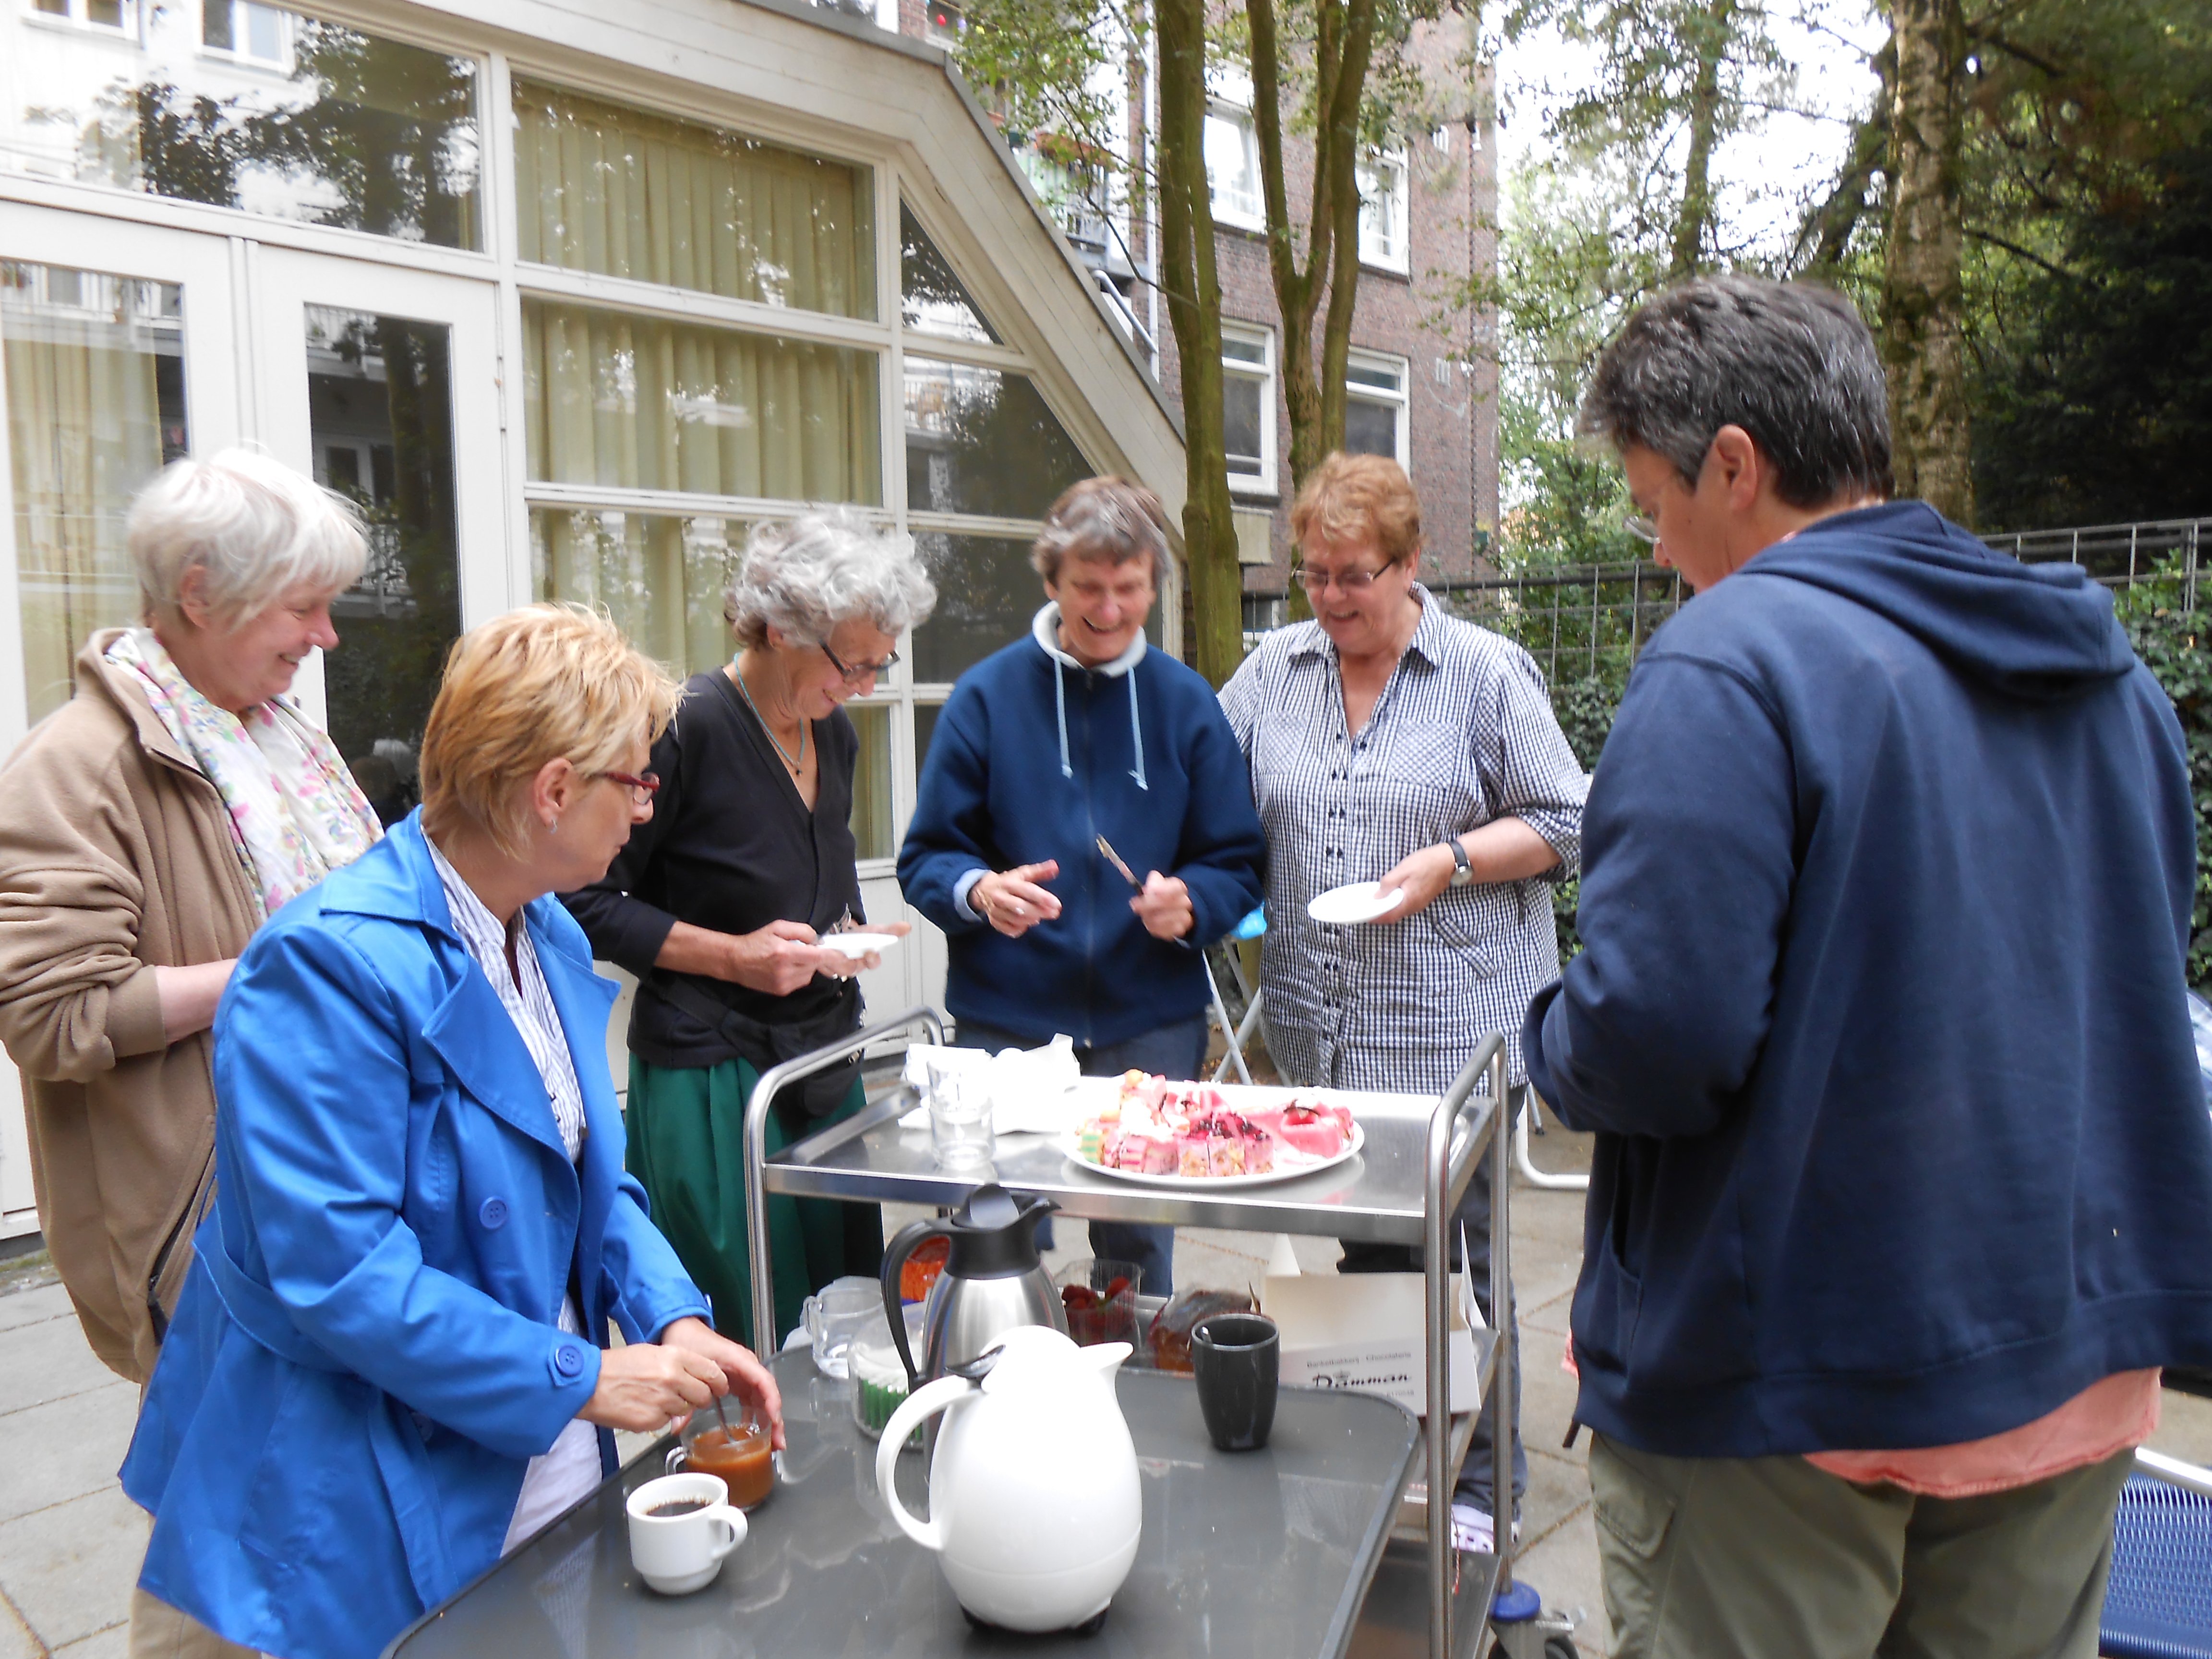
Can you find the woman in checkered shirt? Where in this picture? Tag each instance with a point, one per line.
(1390, 741)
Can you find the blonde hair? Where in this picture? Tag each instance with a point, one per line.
(257, 527)
(541, 683)
(1360, 496)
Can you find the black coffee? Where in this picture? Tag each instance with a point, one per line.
(677, 1506)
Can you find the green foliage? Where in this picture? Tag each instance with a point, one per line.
(2173, 644)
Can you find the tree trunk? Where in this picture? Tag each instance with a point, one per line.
(1922, 302)
(1193, 285)
(1693, 224)
(1825, 237)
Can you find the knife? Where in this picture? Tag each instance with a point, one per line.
(1115, 859)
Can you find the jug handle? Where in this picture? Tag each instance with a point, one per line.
(904, 1244)
(913, 1411)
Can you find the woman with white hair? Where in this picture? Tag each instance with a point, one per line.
(147, 827)
(717, 904)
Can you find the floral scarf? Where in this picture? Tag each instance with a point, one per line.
(296, 813)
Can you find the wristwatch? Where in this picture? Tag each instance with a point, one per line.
(1462, 871)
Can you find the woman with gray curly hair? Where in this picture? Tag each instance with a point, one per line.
(719, 904)
(147, 828)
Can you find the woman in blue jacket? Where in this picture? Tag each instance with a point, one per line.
(1075, 733)
(387, 1368)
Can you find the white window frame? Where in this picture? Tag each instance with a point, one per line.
(1385, 195)
(1358, 391)
(1243, 213)
(234, 53)
(76, 18)
(1264, 372)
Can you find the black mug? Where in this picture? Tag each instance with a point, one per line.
(1237, 1358)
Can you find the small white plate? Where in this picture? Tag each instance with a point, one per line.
(1364, 901)
(853, 946)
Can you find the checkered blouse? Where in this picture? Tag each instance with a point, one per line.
(1462, 734)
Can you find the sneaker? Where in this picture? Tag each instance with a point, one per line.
(1473, 1532)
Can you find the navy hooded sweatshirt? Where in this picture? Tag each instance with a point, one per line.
(1880, 1023)
(1034, 757)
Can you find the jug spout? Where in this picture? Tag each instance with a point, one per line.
(1106, 1357)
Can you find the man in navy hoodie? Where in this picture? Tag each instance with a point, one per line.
(1077, 732)
(1903, 1187)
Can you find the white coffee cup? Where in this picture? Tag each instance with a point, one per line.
(679, 1553)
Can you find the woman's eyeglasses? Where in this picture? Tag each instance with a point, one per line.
(859, 671)
(643, 786)
(1344, 581)
(1644, 528)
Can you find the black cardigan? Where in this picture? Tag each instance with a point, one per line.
(732, 847)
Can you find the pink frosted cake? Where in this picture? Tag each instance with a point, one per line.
(1157, 1127)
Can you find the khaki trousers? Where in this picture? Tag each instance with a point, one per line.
(159, 1630)
(1769, 1557)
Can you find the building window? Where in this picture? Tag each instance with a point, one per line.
(1383, 239)
(1247, 406)
(1263, 612)
(1374, 405)
(1232, 166)
(120, 16)
(942, 21)
(255, 33)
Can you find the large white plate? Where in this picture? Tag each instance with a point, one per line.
(1215, 1183)
(1362, 901)
(853, 946)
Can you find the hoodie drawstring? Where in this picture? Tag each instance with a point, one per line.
(1136, 732)
(1060, 699)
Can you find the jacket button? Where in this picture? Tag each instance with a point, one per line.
(568, 1360)
(493, 1213)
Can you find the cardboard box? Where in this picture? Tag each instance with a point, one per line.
(1366, 1332)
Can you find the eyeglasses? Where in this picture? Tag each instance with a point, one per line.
(1346, 581)
(857, 673)
(643, 786)
(1644, 528)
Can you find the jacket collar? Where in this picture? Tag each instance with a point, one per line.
(1427, 643)
(396, 879)
(96, 677)
(1044, 629)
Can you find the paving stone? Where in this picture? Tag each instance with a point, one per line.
(65, 1448)
(50, 1360)
(1558, 1488)
(15, 1639)
(1563, 1566)
(69, 1569)
(114, 1643)
(34, 1307)
(2185, 1428)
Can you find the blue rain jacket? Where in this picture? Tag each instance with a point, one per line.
(1879, 1019)
(365, 1356)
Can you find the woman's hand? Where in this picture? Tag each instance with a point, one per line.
(652, 1386)
(1012, 901)
(188, 996)
(780, 959)
(1164, 907)
(1504, 849)
(743, 1375)
(1425, 874)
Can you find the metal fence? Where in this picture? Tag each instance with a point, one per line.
(1584, 621)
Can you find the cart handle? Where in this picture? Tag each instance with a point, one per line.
(766, 1338)
(1450, 1167)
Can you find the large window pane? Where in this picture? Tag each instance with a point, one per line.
(872, 781)
(247, 106)
(640, 403)
(381, 416)
(986, 594)
(95, 406)
(981, 440)
(932, 297)
(659, 576)
(616, 191)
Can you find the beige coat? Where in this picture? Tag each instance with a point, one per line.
(116, 858)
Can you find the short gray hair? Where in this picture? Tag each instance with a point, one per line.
(1113, 520)
(257, 527)
(806, 576)
(1791, 363)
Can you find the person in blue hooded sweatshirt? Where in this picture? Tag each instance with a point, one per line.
(1076, 733)
(1903, 1184)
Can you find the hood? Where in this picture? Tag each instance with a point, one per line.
(2038, 632)
(1044, 629)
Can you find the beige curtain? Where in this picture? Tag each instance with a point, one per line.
(659, 576)
(84, 432)
(640, 403)
(623, 193)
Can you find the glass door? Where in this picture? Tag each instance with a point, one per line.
(383, 385)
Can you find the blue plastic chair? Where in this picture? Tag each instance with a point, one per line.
(2159, 1603)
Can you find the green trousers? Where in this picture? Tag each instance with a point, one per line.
(1769, 1557)
(686, 1130)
